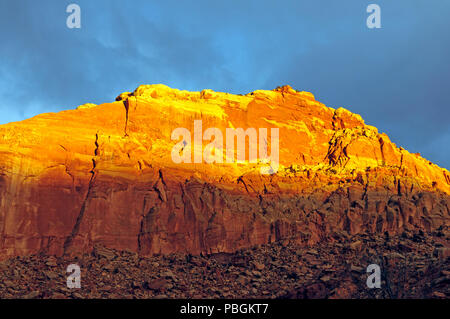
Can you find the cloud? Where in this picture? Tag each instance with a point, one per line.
(47, 66)
(394, 77)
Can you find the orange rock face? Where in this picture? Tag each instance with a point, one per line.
(104, 174)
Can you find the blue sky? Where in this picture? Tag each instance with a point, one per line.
(396, 77)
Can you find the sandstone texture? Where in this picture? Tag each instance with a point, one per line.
(103, 175)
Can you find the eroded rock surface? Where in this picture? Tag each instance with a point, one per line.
(103, 175)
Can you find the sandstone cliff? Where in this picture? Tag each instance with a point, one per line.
(103, 174)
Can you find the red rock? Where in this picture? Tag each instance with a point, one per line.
(103, 175)
(157, 284)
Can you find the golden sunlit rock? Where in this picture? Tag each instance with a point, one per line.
(104, 174)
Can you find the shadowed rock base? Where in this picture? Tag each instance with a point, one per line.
(165, 216)
(413, 265)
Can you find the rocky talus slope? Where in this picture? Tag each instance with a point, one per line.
(103, 175)
(413, 265)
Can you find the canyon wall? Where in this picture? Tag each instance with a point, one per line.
(104, 175)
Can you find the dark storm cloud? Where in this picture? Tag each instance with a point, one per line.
(47, 67)
(395, 77)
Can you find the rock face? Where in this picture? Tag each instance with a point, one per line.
(104, 174)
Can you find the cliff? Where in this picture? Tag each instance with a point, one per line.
(105, 175)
